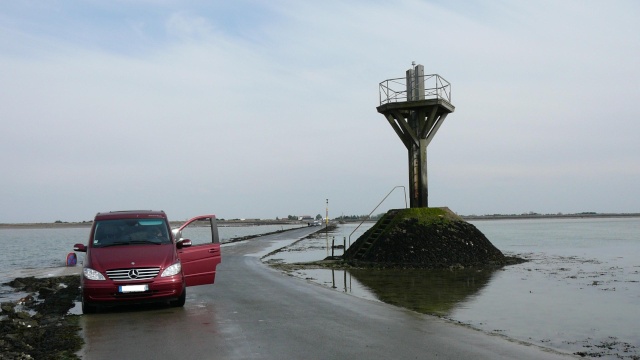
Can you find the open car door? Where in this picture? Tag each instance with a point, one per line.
(198, 245)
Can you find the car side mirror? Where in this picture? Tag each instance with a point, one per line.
(79, 248)
(183, 243)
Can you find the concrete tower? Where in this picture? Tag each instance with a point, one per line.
(416, 107)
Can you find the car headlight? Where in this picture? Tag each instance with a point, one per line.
(92, 274)
(172, 270)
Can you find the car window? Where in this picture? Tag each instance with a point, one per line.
(199, 232)
(130, 231)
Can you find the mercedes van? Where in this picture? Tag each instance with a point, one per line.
(135, 257)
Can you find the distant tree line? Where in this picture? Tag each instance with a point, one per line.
(359, 217)
(341, 217)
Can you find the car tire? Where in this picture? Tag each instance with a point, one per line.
(181, 300)
(88, 308)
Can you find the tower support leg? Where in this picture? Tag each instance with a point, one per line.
(424, 192)
(419, 195)
(414, 188)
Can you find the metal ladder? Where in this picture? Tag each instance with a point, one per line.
(367, 243)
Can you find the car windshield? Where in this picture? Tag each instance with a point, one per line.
(130, 232)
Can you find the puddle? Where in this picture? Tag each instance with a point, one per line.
(76, 309)
(315, 247)
(434, 292)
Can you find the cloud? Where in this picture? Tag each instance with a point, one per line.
(264, 110)
(185, 26)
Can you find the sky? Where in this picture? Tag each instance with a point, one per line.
(264, 109)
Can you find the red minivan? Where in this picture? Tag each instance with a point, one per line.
(135, 257)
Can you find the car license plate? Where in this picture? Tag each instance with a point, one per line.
(133, 288)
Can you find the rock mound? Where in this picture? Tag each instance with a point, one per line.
(430, 238)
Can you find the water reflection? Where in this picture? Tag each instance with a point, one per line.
(435, 292)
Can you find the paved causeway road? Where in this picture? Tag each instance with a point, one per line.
(255, 312)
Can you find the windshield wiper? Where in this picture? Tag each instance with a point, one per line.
(117, 243)
(144, 242)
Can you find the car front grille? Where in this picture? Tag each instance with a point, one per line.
(133, 274)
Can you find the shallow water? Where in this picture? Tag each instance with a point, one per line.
(579, 291)
(322, 245)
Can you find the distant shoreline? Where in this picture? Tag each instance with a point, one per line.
(46, 225)
(256, 222)
(549, 216)
(87, 224)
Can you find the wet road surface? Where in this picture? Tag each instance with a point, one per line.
(255, 312)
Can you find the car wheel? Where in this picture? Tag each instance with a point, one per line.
(181, 300)
(88, 308)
